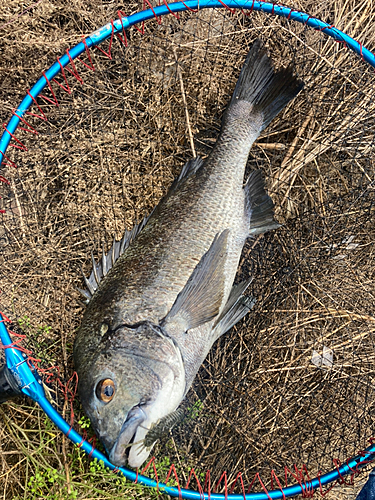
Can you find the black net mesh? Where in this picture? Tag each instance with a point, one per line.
(294, 382)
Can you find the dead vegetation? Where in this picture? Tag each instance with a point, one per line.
(109, 152)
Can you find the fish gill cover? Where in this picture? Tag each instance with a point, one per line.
(294, 382)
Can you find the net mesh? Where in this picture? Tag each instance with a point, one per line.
(294, 382)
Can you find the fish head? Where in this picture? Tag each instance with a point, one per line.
(136, 378)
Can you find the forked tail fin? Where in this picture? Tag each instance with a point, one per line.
(260, 85)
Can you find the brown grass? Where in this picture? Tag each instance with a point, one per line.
(110, 151)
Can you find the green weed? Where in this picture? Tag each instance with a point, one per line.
(24, 322)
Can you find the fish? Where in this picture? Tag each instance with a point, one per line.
(164, 293)
(162, 427)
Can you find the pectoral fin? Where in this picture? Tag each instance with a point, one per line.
(235, 309)
(201, 298)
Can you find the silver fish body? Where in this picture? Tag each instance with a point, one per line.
(151, 321)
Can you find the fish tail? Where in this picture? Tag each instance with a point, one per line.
(268, 91)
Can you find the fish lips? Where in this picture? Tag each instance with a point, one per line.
(118, 455)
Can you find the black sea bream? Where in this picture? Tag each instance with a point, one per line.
(165, 294)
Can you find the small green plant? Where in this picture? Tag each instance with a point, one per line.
(44, 330)
(195, 410)
(84, 422)
(37, 483)
(24, 322)
(47, 482)
(96, 466)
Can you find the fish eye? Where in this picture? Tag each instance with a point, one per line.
(105, 390)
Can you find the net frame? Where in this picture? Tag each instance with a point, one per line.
(28, 379)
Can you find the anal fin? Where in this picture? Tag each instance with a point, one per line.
(259, 205)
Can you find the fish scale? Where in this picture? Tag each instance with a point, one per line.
(153, 317)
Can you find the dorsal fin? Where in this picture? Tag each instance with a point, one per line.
(100, 269)
(189, 169)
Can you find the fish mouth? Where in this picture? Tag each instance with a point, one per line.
(120, 450)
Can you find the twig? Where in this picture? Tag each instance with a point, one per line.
(19, 15)
(18, 208)
(350, 341)
(185, 105)
(297, 137)
(179, 459)
(274, 145)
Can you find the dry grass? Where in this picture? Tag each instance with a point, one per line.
(107, 155)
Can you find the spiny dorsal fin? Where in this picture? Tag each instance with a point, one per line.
(189, 169)
(259, 205)
(201, 298)
(108, 260)
(235, 309)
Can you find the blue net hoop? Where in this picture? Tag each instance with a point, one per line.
(27, 379)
